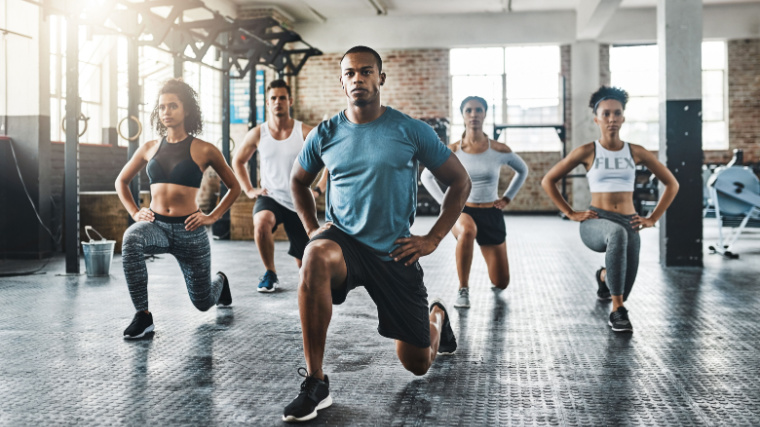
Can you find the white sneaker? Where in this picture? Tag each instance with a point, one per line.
(463, 300)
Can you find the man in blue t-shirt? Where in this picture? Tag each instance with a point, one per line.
(371, 152)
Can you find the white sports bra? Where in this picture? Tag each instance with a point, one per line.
(612, 171)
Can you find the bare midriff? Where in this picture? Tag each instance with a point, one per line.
(621, 202)
(173, 199)
(479, 205)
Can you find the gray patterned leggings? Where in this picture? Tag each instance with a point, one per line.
(190, 248)
(613, 234)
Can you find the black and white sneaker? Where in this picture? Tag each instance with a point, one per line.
(603, 292)
(141, 325)
(619, 320)
(314, 395)
(448, 342)
(225, 298)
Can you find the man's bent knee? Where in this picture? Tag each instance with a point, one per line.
(320, 259)
(418, 367)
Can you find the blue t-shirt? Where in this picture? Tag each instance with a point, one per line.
(372, 195)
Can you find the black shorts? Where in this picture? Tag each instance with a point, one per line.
(293, 226)
(490, 223)
(397, 290)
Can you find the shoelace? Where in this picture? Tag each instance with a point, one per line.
(269, 276)
(464, 292)
(308, 387)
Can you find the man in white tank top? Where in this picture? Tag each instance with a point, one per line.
(278, 141)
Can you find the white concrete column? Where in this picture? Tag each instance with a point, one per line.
(679, 37)
(584, 71)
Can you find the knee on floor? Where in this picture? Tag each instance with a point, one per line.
(417, 367)
(502, 283)
(202, 305)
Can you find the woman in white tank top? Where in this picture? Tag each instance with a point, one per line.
(611, 225)
(482, 220)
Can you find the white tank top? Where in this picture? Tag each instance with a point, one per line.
(612, 171)
(277, 158)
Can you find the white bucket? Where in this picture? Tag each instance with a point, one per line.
(97, 254)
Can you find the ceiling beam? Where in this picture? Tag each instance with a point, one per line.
(593, 16)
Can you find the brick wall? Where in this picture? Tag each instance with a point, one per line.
(99, 165)
(531, 197)
(743, 100)
(417, 84)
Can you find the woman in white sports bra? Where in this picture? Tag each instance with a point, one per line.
(482, 220)
(611, 224)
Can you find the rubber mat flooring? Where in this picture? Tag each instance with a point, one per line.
(538, 354)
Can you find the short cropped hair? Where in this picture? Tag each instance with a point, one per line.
(277, 84)
(365, 49)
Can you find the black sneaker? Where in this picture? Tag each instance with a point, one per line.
(314, 395)
(619, 320)
(603, 293)
(447, 342)
(141, 324)
(225, 298)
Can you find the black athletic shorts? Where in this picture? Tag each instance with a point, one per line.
(293, 226)
(397, 290)
(490, 223)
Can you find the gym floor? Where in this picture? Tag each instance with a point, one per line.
(539, 353)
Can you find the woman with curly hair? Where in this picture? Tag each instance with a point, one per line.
(173, 223)
(611, 225)
(482, 220)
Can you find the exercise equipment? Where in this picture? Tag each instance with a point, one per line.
(139, 128)
(735, 192)
(82, 118)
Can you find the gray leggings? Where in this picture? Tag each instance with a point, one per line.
(613, 234)
(190, 248)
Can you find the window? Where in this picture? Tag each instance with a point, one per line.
(522, 85)
(636, 69)
(92, 51)
(155, 67)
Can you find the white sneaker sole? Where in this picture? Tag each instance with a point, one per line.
(265, 290)
(620, 329)
(321, 405)
(462, 305)
(147, 330)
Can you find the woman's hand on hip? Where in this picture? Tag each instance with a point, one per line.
(198, 219)
(143, 214)
(501, 203)
(581, 216)
(639, 223)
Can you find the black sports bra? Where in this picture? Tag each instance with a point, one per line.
(172, 164)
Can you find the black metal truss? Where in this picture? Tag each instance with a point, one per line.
(248, 43)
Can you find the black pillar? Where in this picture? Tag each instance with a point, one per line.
(679, 37)
(252, 165)
(221, 228)
(71, 148)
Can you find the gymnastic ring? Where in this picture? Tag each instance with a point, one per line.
(232, 144)
(139, 128)
(81, 117)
